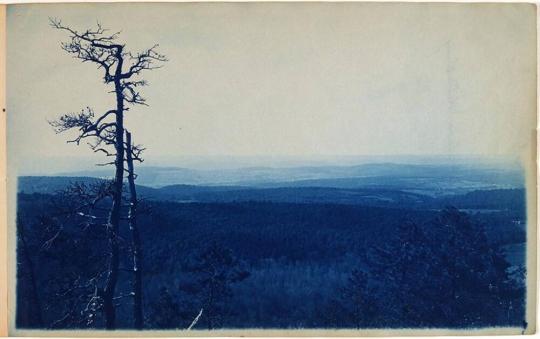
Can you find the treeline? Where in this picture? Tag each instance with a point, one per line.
(275, 266)
(510, 200)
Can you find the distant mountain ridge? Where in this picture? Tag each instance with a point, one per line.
(385, 174)
(371, 196)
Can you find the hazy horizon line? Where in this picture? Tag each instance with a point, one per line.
(59, 166)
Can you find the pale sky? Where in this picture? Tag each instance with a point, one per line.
(287, 79)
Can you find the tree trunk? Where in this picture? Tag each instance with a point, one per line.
(114, 217)
(135, 240)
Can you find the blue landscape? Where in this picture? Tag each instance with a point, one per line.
(271, 165)
(376, 245)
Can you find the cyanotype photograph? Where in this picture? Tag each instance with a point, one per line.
(256, 169)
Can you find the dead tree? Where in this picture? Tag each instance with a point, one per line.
(121, 69)
(133, 154)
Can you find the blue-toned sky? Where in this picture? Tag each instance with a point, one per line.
(295, 80)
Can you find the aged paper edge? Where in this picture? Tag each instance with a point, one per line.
(7, 251)
(3, 176)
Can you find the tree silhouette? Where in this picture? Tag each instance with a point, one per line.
(105, 131)
(73, 224)
(443, 272)
(133, 153)
(215, 269)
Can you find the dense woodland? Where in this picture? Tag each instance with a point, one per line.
(280, 265)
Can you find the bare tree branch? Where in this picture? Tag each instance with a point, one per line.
(196, 320)
(106, 131)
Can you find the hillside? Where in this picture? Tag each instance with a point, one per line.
(496, 199)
